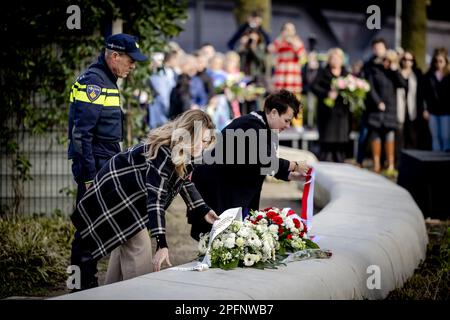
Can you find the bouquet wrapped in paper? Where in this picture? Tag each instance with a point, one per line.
(265, 238)
(352, 89)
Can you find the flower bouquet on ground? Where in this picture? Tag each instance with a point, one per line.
(265, 239)
(242, 244)
(352, 89)
(292, 231)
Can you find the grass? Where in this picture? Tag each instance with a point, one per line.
(431, 281)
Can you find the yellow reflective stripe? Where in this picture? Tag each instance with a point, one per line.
(82, 96)
(103, 99)
(76, 84)
(112, 101)
(110, 90)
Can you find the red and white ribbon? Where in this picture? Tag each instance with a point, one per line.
(308, 199)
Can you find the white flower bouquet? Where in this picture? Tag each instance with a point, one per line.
(352, 89)
(263, 239)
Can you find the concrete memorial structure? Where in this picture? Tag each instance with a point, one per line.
(373, 227)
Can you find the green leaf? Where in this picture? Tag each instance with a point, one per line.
(310, 244)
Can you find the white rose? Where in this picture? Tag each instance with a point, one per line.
(236, 225)
(273, 228)
(240, 242)
(217, 244)
(229, 242)
(261, 228)
(243, 232)
(289, 223)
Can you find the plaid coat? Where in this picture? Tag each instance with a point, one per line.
(129, 194)
(288, 71)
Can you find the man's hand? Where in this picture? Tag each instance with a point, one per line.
(381, 106)
(211, 216)
(88, 185)
(160, 256)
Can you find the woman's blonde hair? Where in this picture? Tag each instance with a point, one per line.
(337, 51)
(231, 57)
(174, 133)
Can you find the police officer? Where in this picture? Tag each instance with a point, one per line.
(96, 125)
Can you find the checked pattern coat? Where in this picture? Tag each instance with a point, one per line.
(131, 193)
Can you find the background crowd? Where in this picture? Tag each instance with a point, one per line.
(405, 107)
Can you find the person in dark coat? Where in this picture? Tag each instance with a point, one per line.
(384, 79)
(133, 190)
(189, 91)
(202, 74)
(254, 22)
(437, 98)
(180, 96)
(333, 122)
(413, 130)
(244, 154)
(378, 52)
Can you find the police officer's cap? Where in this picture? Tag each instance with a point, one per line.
(125, 43)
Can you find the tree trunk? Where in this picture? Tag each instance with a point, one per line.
(414, 29)
(245, 7)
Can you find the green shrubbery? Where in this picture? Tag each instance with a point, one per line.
(34, 255)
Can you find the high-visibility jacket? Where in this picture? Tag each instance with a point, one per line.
(95, 120)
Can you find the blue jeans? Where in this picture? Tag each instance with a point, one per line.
(440, 132)
(362, 141)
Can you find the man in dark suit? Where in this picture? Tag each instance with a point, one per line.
(234, 171)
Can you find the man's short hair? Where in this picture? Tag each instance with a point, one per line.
(378, 40)
(281, 101)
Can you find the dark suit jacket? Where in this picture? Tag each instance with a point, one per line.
(225, 186)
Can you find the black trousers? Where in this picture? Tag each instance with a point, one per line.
(332, 152)
(80, 255)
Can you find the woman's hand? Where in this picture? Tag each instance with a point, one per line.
(333, 94)
(296, 176)
(302, 167)
(211, 216)
(160, 256)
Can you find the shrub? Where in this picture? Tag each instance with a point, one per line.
(35, 252)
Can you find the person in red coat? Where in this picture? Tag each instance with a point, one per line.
(289, 51)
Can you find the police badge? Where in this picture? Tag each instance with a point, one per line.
(93, 92)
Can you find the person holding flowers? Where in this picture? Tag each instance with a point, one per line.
(333, 122)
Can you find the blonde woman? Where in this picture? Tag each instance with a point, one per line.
(131, 193)
(333, 123)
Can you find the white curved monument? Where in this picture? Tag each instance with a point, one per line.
(373, 227)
